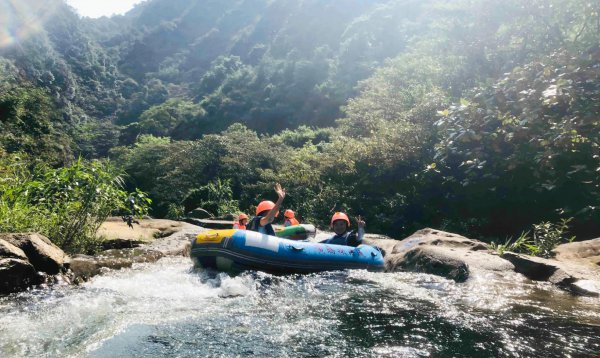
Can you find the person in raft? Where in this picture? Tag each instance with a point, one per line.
(340, 225)
(290, 219)
(266, 212)
(241, 222)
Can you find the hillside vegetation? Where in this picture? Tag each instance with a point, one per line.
(479, 117)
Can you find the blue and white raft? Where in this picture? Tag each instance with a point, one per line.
(237, 250)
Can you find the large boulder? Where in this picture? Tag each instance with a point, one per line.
(41, 252)
(440, 253)
(17, 274)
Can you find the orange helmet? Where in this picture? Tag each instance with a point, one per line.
(242, 216)
(288, 214)
(264, 205)
(339, 216)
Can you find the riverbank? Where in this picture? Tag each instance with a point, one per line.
(30, 259)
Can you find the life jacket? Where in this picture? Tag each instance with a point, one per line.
(291, 222)
(348, 239)
(239, 226)
(254, 225)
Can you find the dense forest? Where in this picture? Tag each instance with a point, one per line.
(479, 117)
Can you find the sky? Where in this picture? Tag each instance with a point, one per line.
(99, 8)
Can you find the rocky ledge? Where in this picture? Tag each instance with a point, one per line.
(31, 259)
(575, 267)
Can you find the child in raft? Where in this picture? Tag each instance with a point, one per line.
(266, 212)
(241, 222)
(290, 219)
(340, 223)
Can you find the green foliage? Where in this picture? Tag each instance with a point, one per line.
(546, 237)
(175, 118)
(215, 197)
(532, 138)
(31, 123)
(513, 246)
(473, 116)
(66, 204)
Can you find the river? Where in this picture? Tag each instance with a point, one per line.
(167, 309)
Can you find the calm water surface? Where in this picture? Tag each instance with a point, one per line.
(166, 309)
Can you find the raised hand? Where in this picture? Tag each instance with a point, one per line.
(360, 221)
(280, 191)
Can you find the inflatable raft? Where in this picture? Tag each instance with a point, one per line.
(237, 250)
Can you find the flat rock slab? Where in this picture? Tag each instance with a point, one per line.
(177, 244)
(569, 275)
(582, 252)
(146, 231)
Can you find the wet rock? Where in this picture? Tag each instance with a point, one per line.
(9, 250)
(177, 244)
(440, 253)
(435, 262)
(41, 252)
(118, 243)
(571, 276)
(133, 255)
(84, 267)
(17, 274)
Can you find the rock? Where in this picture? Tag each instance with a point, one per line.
(570, 276)
(583, 252)
(111, 258)
(117, 243)
(178, 244)
(227, 217)
(210, 223)
(41, 252)
(199, 213)
(145, 232)
(435, 262)
(17, 274)
(439, 253)
(84, 266)
(9, 250)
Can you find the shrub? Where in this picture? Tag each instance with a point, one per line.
(66, 204)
